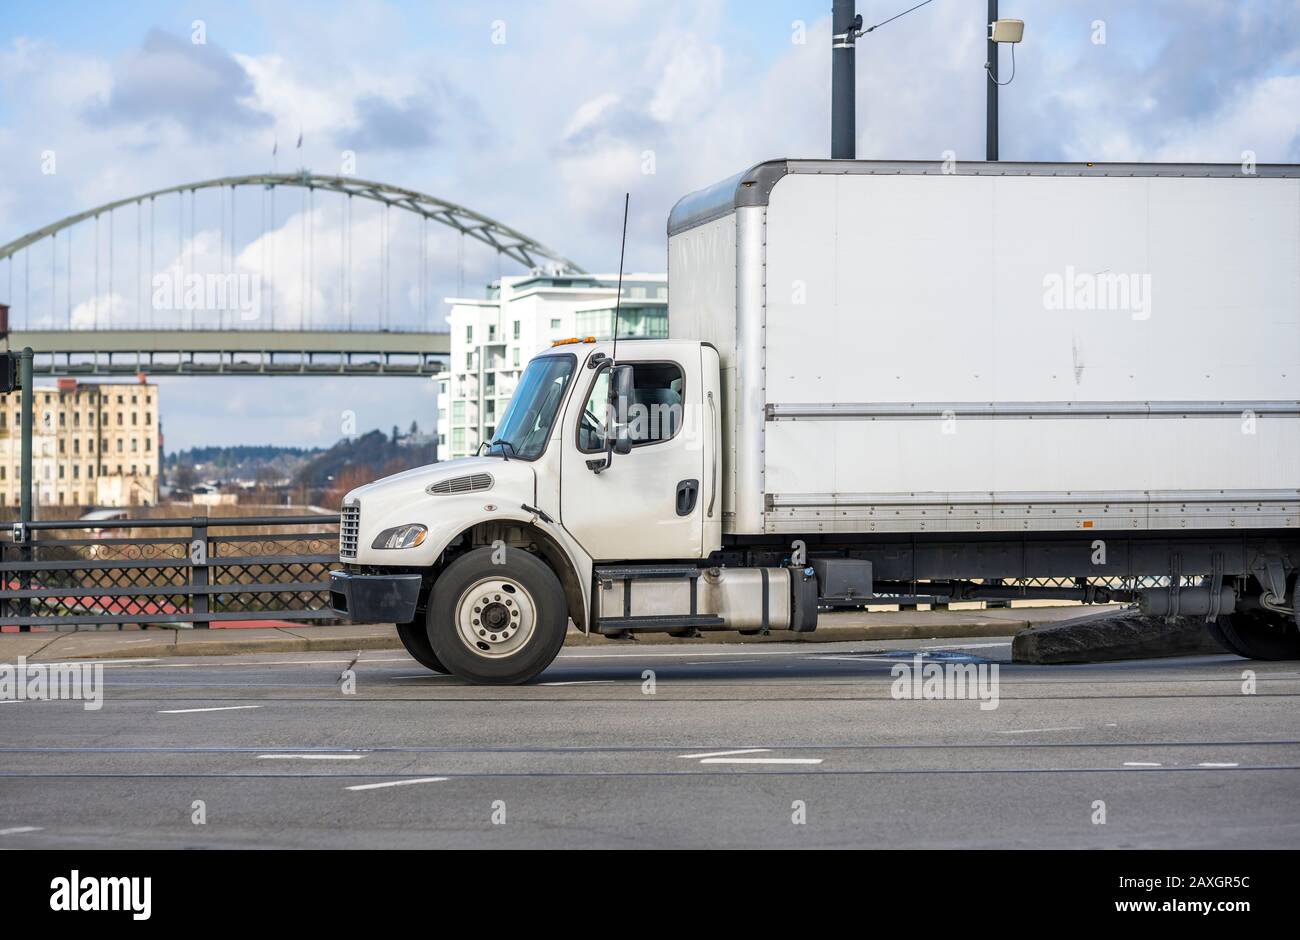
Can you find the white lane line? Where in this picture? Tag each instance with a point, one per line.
(310, 756)
(220, 708)
(1040, 730)
(8, 701)
(1217, 765)
(746, 750)
(1140, 763)
(582, 682)
(761, 760)
(16, 830)
(396, 783)
(717, 662)
(93, 662)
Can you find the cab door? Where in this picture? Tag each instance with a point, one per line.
(647, 504)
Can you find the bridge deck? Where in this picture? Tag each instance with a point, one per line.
(233, 352)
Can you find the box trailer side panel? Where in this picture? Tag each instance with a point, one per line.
(1034, 351)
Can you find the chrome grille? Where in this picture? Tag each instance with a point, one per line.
(349, 527)
(473, 483)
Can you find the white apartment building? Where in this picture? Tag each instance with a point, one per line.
(492, 340)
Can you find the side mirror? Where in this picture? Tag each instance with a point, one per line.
(621, 388)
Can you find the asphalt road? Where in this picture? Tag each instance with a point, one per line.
(734, 745)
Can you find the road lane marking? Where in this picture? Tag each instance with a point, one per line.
(190, 711)
(746, 750)
(1217, 765)
(1040, 730)
(97, 662)
(581, 682)
(17, 830)
(310, 756)
(396, 783)
(761, 760)
(1140, 763)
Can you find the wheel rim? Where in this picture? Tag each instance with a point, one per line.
(495, 617)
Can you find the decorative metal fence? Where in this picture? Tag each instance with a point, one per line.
(191, 575)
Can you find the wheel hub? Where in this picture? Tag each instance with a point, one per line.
(495, 617)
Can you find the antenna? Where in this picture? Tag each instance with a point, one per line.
(618, 298)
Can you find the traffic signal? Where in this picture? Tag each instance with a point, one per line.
(9, 374)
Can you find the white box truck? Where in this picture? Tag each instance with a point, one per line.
(886, 381)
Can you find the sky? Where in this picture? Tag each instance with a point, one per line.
(539, 114)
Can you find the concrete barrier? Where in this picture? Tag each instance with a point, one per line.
(1124, 634)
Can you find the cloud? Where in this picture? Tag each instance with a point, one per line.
(386, 125)
(168, 79)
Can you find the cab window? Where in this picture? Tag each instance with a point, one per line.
(654, 413)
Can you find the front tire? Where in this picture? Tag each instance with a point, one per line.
(415, 637)
(497, 623)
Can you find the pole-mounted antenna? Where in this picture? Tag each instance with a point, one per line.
(612, 418)
(618, 298)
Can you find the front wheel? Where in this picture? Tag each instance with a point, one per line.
(415, 638)
(497, 622)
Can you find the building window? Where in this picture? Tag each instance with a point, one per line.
(555, 323)
(515, 357)
(516, 329)
(469, 362)
(469, 334)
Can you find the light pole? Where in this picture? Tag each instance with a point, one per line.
(1000, 31)
(844, 33)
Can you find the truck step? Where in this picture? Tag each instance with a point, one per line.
(657, 622)
(641, 572)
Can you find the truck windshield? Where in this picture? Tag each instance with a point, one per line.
(527, 423)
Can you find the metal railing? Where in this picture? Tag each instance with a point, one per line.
(195, 578)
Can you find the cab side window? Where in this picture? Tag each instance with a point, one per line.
(654, 413)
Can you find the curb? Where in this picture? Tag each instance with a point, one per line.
(1111, 637)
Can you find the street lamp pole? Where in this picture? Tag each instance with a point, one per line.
(844, 26)
(991, 107)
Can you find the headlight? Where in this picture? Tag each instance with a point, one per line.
(402, 536)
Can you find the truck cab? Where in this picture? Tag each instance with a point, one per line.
(483, 561)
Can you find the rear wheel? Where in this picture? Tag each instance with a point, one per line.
(1259, 635)
(497, 623)
(415, 637)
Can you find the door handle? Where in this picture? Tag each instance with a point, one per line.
(687, 492)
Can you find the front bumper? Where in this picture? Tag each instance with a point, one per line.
(374, 598)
